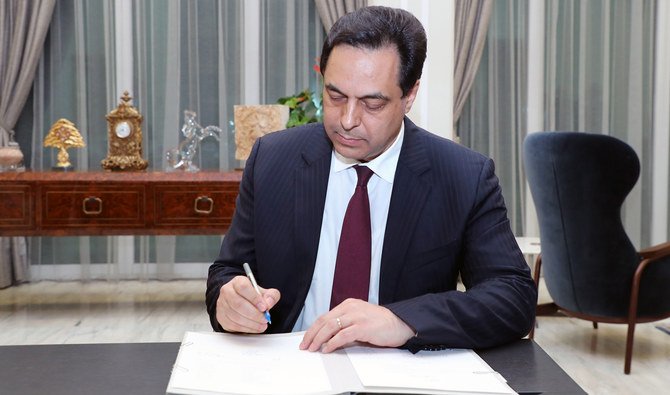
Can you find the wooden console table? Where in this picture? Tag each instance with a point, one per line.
(116, 203)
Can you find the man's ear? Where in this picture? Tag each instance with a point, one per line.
(411, 95)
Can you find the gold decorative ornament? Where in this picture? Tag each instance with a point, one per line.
(63, 135)
(124, 133)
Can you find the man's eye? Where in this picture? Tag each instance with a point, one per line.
(337, 98)
(374, 105)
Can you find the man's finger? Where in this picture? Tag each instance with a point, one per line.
(234, 321)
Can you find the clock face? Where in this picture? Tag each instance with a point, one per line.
(122, 129)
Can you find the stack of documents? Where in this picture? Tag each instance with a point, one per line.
(218, 363)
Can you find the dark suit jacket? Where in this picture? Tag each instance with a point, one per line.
(446, 217)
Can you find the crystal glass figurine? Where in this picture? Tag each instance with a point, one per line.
(181, 158)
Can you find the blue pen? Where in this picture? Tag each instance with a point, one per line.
(251, 277)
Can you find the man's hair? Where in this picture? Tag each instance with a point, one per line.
(376, 27)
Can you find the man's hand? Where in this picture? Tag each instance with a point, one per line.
(240, 309)
(356, 320)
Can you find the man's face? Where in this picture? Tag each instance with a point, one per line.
(363, 107)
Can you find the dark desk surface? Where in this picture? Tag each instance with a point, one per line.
(144, 368)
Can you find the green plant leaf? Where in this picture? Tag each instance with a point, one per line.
(304, 107)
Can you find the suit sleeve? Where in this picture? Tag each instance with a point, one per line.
(498, 305)
(237, 246)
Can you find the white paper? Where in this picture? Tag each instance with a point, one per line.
(219, 363)
(451, 370)
(247, 364)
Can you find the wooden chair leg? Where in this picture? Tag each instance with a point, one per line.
(629, 348)
(632, 313)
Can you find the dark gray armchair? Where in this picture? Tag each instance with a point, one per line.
(591, 269)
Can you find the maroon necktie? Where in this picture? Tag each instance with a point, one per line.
(352, 267)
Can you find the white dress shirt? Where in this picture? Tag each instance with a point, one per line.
(341, 185)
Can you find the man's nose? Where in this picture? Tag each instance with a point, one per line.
(350, 117)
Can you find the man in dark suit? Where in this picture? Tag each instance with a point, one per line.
(436, 212)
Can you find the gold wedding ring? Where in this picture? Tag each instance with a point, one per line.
(339, 323)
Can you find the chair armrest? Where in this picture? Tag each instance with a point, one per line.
(656, 252)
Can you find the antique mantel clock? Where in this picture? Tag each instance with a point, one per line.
(124, 133)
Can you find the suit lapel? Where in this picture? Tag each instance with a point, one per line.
(410, 191)
(311, 182)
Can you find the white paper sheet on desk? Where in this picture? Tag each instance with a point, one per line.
(451, 370)
(223, 363)
(244, 364)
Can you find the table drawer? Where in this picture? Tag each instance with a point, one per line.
(196, 206)
(16, 206)
(73, 206)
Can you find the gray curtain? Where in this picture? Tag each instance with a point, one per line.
(471, 25)
(598, 76)
(493, 120)
(331, 10)
(23, 26)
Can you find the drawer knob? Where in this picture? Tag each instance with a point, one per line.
(92, 205)
(204, 205)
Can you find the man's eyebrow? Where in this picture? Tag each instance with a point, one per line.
(376, 96)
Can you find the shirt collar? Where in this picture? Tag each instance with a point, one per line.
(384, 165)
